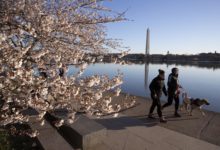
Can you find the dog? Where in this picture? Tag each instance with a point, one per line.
(190, 104)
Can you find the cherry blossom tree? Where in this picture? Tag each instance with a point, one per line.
(38, 41)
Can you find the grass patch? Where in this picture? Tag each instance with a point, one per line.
(4, 140)
(17, 141)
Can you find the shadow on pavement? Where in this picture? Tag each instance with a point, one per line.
(123, 122)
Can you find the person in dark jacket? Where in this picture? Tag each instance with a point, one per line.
(157, 86)
(173, 90)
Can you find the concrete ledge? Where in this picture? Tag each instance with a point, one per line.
(84, 133)
(49, 138)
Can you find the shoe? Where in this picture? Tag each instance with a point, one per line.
(163, 120)
(150, 116)
(177, 115)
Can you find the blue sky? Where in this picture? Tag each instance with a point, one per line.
(178, 26)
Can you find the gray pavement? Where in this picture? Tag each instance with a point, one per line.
(126, 133)
(133, 131)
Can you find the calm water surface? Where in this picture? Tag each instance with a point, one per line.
(198, 82)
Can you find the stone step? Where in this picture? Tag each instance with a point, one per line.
(49, 137)
(85, 133)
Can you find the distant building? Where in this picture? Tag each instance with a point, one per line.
(147, 42)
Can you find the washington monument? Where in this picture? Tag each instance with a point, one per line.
(146, 55)
(147, 43)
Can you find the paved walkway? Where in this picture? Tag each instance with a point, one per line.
(126, 133)
(133, 131)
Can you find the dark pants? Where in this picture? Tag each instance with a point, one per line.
(156, 102)
(172, 96)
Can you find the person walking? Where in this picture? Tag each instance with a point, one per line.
(173, 90)
(157, 86)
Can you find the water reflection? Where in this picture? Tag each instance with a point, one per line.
(209, 65)
(146, 72)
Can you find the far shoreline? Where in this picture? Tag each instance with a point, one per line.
(202, 57)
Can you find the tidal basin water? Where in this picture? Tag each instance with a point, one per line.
(197, 81)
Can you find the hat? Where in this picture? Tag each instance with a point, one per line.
(174, 69)
(161, 71)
